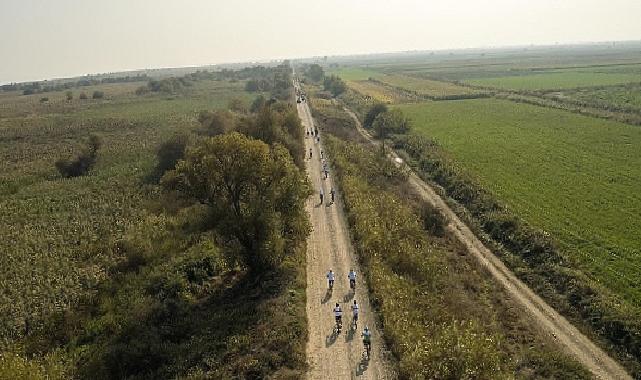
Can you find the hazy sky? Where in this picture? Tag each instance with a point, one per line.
(54, 38)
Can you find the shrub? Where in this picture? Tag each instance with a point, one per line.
(252, 86)
(335, 85)
(69, 95)
(433, 220)
(98, 95)
(169, 153)
(82, 96)
(257, 104)
(217, 122)
(167, 85)
(83, 162)
(372, 113)
(142, 90)
(238, 105)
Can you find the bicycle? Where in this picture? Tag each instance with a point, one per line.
(339, 325)
(368, 350)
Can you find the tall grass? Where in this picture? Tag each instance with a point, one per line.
(405, 272)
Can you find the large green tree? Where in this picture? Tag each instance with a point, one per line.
(375, 110)
(335, 85)
(390, 123)
(256, 193)
(315, 72)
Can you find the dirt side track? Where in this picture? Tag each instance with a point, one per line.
(329, 246)
(541, 314)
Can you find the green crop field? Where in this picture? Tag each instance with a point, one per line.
(57, 231)
(355, 73)
(576, 177)
(419, 86)
(619, 97)
(376, 91)
(426, 86)
(556, 80)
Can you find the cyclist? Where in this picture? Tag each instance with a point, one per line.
(330, 278)
(355, 310)
(367, 340)
(333, 193)
(321, 195)
(338, 315)
(352, 279)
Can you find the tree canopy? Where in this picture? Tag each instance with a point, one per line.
(335, 85)
(255, 191)
(373, 112)
(217, 122)
(315, 72)
(391, 122)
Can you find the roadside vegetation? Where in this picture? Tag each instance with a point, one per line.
(441, 318)
(579, 256)
(521, 187)
(115, 275)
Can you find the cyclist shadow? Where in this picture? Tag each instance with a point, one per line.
(362, 366)
(331, 339)
(350, 333)
(328, 295)
(348, 297)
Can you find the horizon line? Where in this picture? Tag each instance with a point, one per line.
(339, 55)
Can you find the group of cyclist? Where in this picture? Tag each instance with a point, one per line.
(338, 311)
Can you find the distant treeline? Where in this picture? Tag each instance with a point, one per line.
(276, 80)
(40, 87)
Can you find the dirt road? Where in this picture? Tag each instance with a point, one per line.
(542, 315)
(330, 355)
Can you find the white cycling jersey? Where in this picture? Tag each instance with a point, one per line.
(330, 276)
(352, 275)
(338, 312)
(355, 309)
